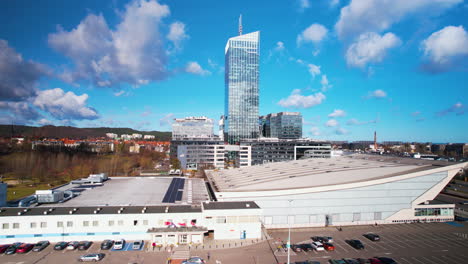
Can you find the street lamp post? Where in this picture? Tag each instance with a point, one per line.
(289, 233)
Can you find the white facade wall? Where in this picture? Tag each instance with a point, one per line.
(98, 227)
(239, 224)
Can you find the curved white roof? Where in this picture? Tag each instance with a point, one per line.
(317, 172)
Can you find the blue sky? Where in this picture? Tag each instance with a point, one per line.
(350, 67)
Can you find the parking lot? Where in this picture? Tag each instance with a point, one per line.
(427, 243)
(406, 243)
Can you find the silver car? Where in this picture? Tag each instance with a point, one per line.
(92, 257)
(137, 244)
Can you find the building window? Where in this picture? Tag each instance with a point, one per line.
(69, 223)
(120, 222)
(356, 217)
(378, 216)
(231, 219)
(145, 222)
(15, 225)
(111, 222)
(33, 225)
(85, 223)
(59, 224)
(160, 222)
(43, 224)
(220, 219)
(95, 223)
(135, 222)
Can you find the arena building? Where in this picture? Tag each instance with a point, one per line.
(349, 190)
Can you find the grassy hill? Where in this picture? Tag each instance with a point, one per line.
(73, 132)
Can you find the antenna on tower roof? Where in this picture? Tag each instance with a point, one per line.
(240, 25)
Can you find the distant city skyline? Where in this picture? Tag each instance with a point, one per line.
(350, 67)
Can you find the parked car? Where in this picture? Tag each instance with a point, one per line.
(328, 239)
(375, 261)
(39, 246)
(84, 245)
(355, 243)
(372, 236)
(119, 244)
(137, 244)
(363, 261)
(3, 248)
(61, 245)
(351, 261)
(307, 262)
(318, 246)
(328, 246)
(296, 248)
(12, 248)
(336, 261)
(24, 248)
(92, 257)
(386, 260)
(107, 244)
(194, 260)
(318, 239)
(73, 245)
(306, 247)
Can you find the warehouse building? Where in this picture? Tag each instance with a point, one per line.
(164, 225)
(349, 190)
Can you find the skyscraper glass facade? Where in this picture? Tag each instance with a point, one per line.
(241, 87)
(284, 125)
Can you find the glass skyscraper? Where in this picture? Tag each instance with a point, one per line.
(241, 87)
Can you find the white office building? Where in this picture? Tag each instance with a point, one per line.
(192, 127)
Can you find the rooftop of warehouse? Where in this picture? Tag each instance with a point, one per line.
(133, 191)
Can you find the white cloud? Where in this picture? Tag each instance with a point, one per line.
(177, 33)
(132, 53)
(314, 131)
(195, 68)
(313, 69)
(166, 120)
(334, 3)
(355, 122)
(22, 112)
(296, 100)
(370, 48)
(279, 46)
(458, 109)
(332, 123)
(370, 15)
(303, 4)
(315, 33)
(377, 94)
(18, 77)
(444, 47)
(337, 113)
(44, 122)
(63, 105)
(341, 131)
(325, 84)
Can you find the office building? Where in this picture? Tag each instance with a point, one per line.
(241, 87)
(192, 127)
(283, 125)
(266, 150)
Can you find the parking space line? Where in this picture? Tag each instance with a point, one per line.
(429, 261)
(341, 247)
(439, 260)
(405, 260)
(417, 260)
(459, 258)
(447, 258)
